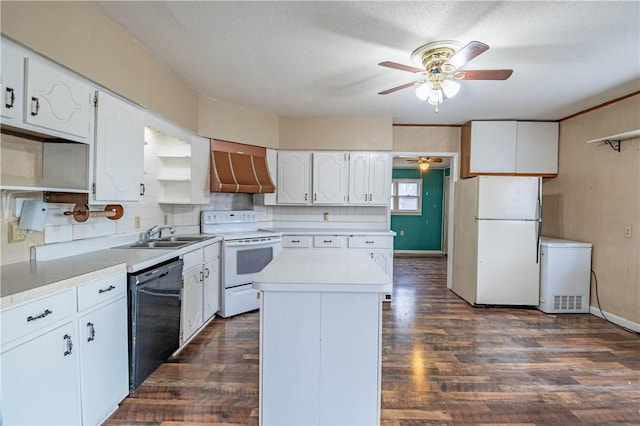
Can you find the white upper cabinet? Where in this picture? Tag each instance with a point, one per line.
(12, 84)
(330, 177)
(294, 177)
(537, 147)
(509, 148)
(119, 151)
(58, 101)
(369, 178)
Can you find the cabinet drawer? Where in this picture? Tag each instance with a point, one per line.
(36, 315)
(211, 252)
(329, 241)
(192, 259)
(101, 290)
(372, 241)
(296, 241)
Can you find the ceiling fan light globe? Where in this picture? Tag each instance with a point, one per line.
(450, 88)
(422, 91)
(435, 97)
(423, 165)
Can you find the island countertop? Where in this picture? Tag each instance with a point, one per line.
(331, 270)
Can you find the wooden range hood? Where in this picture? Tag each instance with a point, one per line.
(241, 168)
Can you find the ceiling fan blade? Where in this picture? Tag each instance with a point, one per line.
(400, 67)
(395, 89)
(467, 53)
(483, 75)
(434, 160)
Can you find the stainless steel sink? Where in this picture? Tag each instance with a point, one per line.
(157, 244)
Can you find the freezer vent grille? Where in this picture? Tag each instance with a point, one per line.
(567, 303)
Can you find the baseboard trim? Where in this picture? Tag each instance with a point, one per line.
(615, 319)
(417, 253)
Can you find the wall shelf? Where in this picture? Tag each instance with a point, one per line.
(614, 140)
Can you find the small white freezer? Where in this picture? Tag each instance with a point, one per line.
(565, 276)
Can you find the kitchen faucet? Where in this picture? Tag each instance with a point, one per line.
(149, 233)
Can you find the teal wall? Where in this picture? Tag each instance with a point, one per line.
(421, 232)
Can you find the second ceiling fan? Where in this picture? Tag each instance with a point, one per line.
(441, 62)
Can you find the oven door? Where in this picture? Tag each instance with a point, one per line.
(244, 259)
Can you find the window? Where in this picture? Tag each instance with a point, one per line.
(406, 196)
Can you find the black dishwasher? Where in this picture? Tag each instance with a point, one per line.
(154, 318)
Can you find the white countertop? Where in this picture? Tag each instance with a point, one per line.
(24, 280)
(331, 231)
(332, 270)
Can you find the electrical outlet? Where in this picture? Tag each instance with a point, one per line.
(326, 216)
(137, 222)
(627, 232)
(402, 233)
(16, 234)
(166, 219)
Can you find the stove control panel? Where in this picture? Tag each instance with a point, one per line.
(234, 216)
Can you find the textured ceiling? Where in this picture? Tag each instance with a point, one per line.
(319, 58)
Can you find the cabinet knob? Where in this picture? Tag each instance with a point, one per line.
(10, 98)
(35, 106)
(69, 343)
(92, 332)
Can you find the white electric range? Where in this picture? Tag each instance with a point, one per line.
(245, 252)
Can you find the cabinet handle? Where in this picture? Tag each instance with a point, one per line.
(206, 273)
(42, 315)
(327, 241)
(10, 98)
(35, 106)
(305, 196)
(201, 276)
(69, 344)
(369, 242)
(315, 197)
(92, 332)
(295, 241)
(142, 189)
(106, 289)
(370, 197)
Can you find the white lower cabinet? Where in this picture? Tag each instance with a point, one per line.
(200, 289)
(40, 379)
(64, 356)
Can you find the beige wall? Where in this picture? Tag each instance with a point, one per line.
(426, 138)
(348, 133)
(77, 36)
(597, 194)
(236, 123)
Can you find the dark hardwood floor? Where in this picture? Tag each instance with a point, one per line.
(444, 362)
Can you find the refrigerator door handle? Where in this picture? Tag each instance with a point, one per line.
(538, 227)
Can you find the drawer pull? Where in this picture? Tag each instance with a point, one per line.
(42, 315)
(327, 241)
(10, 98)
(105, 290)
(69, 344)
(92, 332)
(295, 241)
(369, 242)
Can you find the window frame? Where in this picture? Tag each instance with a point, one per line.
(394, 198)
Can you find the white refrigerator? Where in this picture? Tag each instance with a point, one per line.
(497, 225)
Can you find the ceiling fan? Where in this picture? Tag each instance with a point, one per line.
(423, 162)
(441, 62)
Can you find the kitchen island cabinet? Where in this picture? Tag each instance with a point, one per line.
(320, 338)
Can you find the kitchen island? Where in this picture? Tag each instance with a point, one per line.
(320, 338)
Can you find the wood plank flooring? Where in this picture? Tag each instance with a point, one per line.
(444, 362)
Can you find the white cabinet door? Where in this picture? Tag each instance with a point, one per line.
(493, 146)
(330, 177)
(104, 361)
(40, 380)
(12, 83)
(191, 318)
(119, 153)
(58, 101)
(537, 149)
(359, 178)
(294, 177)
(379, 178)
(212, 285)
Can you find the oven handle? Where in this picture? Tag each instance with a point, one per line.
(271, 241)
